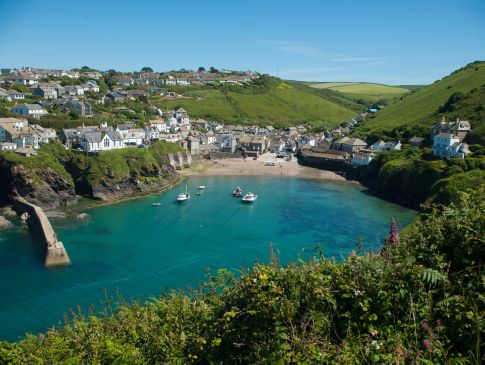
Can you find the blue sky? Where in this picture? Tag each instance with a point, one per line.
(391, 42)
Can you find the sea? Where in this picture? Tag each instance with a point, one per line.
(134, 251)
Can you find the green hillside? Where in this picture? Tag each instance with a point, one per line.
(268, 100)
(421, 108)
(361, 91)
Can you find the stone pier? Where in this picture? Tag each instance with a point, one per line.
(41, 229)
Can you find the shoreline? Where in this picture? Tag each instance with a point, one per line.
(250, 167)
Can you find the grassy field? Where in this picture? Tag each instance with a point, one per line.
(367, 92)
(279, 103)
(420, 108)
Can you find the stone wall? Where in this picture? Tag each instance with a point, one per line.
(181, 160)
(223, 155)
(42, 231)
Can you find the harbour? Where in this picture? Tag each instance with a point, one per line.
(138, 250)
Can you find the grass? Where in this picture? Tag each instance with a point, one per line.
(280, 103)
(420, 107)
(366, 92)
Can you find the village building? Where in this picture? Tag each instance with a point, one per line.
(11, 95)
(416, 141)
(80, 107)
(101, 141)
(459, 128)
(124, 80)
(45, 91)
(29, 110)
(116, 96)
(449, 145)
(352, 145)
(253, 145)
(386, 146)
(362, 158)
(7, 146)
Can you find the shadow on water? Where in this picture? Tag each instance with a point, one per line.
(102, 231)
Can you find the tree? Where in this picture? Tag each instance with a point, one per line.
(213, 70)
(146, 69)
(201, 69)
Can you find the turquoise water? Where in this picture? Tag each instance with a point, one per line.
(139, 250)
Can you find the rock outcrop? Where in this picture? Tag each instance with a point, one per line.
(4, 223)
(43, 187)
(150, 179)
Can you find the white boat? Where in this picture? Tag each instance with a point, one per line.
(183, 196)
(202, 187)
(249, 197)
(156, 204)
(270, 163)
(238, 192)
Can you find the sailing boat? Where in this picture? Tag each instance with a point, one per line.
(183, 196)
(238, 192)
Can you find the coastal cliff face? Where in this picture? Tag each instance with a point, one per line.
(56, 177)
(152, 179)
(44, 187)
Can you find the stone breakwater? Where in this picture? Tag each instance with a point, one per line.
(41, 229)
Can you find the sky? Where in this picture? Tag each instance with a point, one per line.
(383, 41)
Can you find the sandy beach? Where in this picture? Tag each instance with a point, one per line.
(250, 167)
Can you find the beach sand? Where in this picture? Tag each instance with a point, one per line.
(250, 167)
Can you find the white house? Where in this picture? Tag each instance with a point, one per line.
(152, 133)
(362, 158)
(449, 145)
(29, 110)
(7, 146)
(101, 141)
(160, 125)
(183, 82)
(386, 146)
(170, 137)
(11, 95)
(132, 136)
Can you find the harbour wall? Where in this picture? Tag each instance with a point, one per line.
(221, 155)
(181, 160)
(324, 163)
(41, 229)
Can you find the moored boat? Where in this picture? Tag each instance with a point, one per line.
(183, 196)
(249, 197)
(237, 192)
(156, 204)
(202, 187)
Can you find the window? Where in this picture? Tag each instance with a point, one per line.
(106, 142)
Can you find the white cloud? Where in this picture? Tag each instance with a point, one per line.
(296, 48)
(310, 70)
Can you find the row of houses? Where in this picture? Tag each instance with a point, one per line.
(182, 79)
(17, 133)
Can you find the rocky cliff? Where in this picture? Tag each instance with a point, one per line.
(55, 177)
(44, 187)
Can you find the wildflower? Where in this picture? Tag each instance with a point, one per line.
(424, 326)
(426, 343)
(373, 334)
(393, 233)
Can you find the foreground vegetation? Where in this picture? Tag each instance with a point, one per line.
(418, 300)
